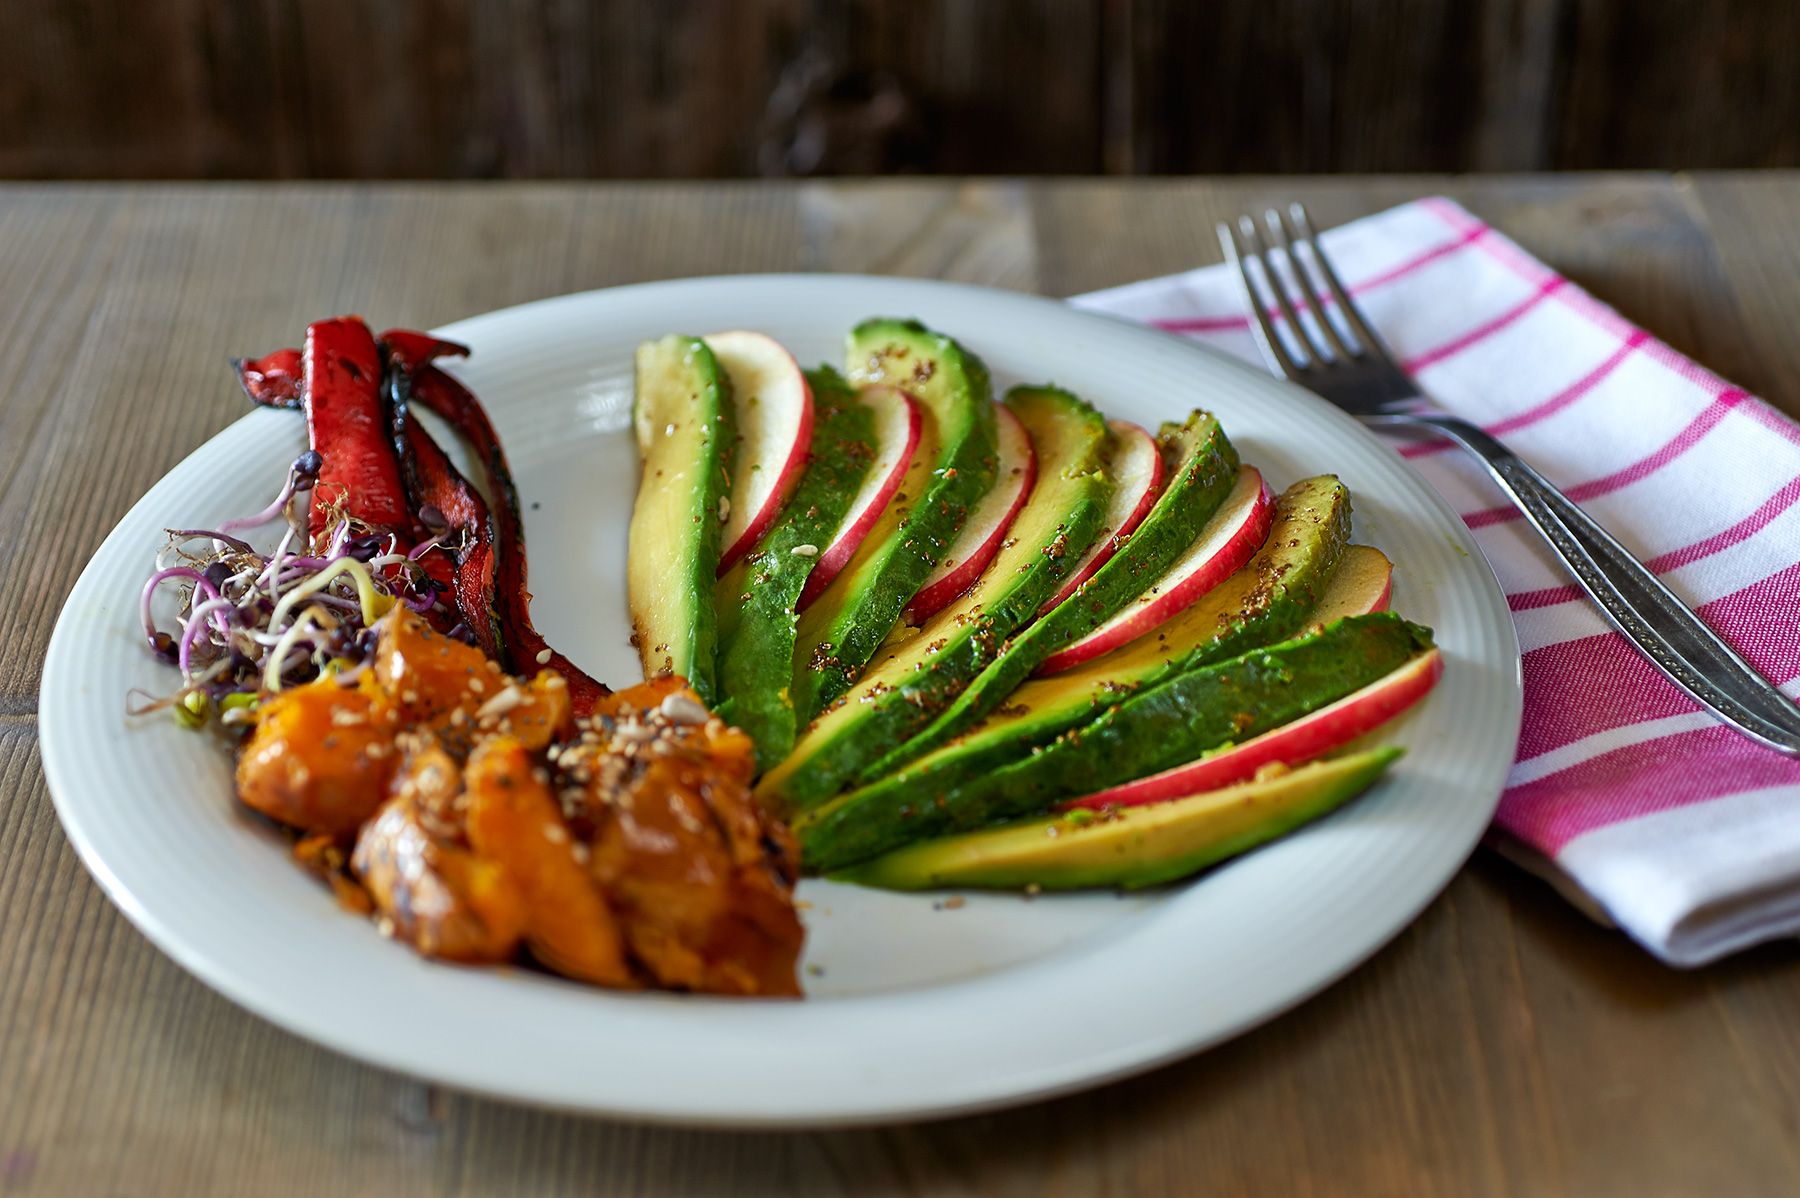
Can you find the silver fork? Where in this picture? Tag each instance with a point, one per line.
(1353, 369)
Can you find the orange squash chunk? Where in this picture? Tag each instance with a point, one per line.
(320, 757)
(436, 895)
(514, 820)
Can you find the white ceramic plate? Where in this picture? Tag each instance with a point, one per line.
(912, 1009)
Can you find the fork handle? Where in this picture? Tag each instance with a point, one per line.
(1633, 600)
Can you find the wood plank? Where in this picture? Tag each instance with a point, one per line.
(1754, 224)
(547, 88)
(1665, 83)
(711, 88)
(1299, 85)
(969, 233)
(1501, 1045)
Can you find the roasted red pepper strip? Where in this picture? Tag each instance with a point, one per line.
(411, 350)
(347, 422)
(449, 508)
(273, 380)
(525, 649)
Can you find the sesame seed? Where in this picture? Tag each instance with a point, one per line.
(500, 704)
(805, 551)
(681, 708)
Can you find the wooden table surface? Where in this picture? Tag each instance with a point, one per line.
(1502, 1045)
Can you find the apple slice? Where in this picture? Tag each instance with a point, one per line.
(1137, 472)
(899, 423)
(1228, 540)
(774, 416)
(986, 526)
(1308, 737)
(1363, 582)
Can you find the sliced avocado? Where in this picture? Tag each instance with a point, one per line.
(917, 676)
(1203, 468)
(682, 416)
(1128, 847)
(840, 632)
(1268, 600)
(1154, 729)
(756, 598)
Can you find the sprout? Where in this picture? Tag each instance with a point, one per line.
(249, 623)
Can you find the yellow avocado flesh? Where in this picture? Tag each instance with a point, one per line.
(1129, 847)
(681, 414)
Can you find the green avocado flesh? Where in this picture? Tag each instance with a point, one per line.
(756, 598)
(841, 631)
(916, 676)
(1268, 600)
(1153, 729)
(1203, 468)
(681, 413)
(1129, 847)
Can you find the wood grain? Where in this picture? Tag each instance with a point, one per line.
(726, 88)
(1502, 1045)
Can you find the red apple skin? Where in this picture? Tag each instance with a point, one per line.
(1303, 740)
(791, 470)
(937, 592)
(855, 529)
(1176, 594)
(1108, 542)
(791, 467)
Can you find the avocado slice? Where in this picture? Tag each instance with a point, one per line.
(1154, 729)
(1129, 847)
(756, 599)
(917, 676)
(1266, 601)
(844, 627)
(681, 413)
(1203, 468)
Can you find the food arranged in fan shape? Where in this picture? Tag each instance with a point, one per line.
(894, 629)
(1003, 641)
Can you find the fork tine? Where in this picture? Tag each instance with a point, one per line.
(1274, 352)
(1352, 314)
(1253, 237)
(1285, 237)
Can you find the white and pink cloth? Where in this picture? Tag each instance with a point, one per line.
(1683, 832)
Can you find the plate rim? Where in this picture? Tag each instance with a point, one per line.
(243, 992)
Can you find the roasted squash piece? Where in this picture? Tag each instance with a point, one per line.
(425, 673)
(514, 820)
(320, 757)
(436, 895)
(453, 690)
(534, 714)
(700, 878)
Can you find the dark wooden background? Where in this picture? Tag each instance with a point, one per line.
(711, 88)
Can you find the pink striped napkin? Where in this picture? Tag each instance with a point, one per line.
(1624, 791)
